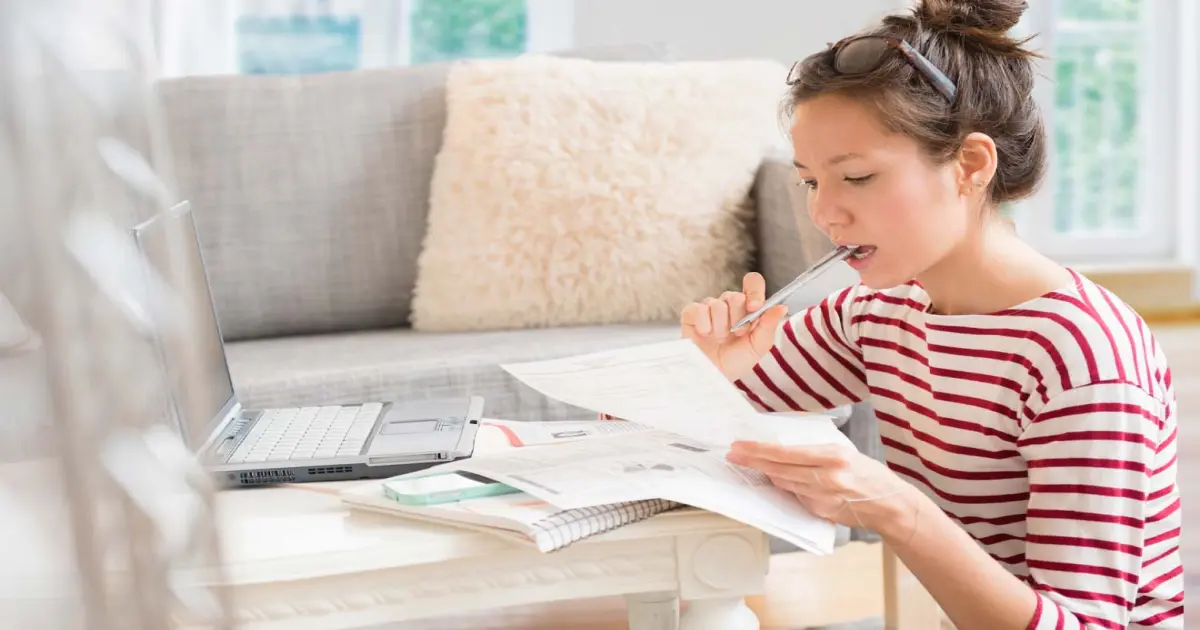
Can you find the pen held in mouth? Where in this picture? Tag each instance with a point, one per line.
(861, 257)
(839, 254)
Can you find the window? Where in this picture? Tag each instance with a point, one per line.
(440, 30)
(297, 43)
(287, 37)
(1110, 92)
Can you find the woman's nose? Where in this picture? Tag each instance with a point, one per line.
(826, 213)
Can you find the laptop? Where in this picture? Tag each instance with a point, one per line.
(254, 447)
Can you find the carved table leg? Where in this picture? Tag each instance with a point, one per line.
(653, 611)
(716, 572)
(725, 613)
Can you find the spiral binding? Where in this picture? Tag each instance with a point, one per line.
(571, 526)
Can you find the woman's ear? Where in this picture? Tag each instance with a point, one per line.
(976, 163)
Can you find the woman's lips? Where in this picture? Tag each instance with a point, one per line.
(861, 257)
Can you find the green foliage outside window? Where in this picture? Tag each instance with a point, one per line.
(1099, 10)
(463, 29)
(1096, 131)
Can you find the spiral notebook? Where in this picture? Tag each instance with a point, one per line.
(519, 517)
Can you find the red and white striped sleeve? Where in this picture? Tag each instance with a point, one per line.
(1102, 520)
(816, 363)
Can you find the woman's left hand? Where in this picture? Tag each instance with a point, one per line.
(836, 483)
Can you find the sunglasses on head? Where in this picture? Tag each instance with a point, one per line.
(862, 54)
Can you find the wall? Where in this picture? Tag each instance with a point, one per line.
(713, 29)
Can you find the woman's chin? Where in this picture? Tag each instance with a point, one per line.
(881, 277)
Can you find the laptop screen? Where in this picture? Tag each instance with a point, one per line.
(209, 387)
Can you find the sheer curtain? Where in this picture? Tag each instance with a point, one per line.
(195, 36)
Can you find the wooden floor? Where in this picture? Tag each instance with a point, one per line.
(802, 592)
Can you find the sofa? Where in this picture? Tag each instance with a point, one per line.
(310, 194)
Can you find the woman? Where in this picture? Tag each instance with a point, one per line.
(1026, 414)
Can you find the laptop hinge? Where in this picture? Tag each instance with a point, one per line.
(223, 427)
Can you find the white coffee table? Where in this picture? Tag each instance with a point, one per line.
(296, 557)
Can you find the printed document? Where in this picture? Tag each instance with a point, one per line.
(670, 386)
(695, 414)
(524, 433)
(656, 465)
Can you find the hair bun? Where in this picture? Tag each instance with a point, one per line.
(993, 16)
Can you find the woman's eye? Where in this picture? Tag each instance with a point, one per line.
(858, 181)
(810, 184)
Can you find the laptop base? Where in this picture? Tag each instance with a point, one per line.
(288, 473)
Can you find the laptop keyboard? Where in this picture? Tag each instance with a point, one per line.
(307, 433)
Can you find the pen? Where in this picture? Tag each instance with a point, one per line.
(837, 255)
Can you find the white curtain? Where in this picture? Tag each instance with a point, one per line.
(195, 36)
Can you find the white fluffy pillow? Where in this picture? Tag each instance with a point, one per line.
(573, 192)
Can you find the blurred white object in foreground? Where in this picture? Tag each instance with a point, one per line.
(107, 521)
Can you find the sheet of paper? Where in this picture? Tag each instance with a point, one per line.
(796, 429)
(524, 433)
(670, 386)
(650, 465)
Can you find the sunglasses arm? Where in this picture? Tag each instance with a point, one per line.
(940, 81)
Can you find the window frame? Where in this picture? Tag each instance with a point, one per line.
(1161, 174)
(1188, 154)
(385, 32)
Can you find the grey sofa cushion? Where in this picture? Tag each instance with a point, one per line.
(311, 192)
(402, 363)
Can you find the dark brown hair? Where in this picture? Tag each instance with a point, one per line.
(968, 41)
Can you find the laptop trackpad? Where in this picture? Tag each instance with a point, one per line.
(409, 426)
(412, 436)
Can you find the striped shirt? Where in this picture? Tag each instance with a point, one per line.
(1047, 431)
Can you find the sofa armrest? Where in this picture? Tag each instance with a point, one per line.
(786, 238)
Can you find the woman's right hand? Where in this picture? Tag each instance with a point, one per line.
(707, 323)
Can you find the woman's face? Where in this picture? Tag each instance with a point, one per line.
(870, 187)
